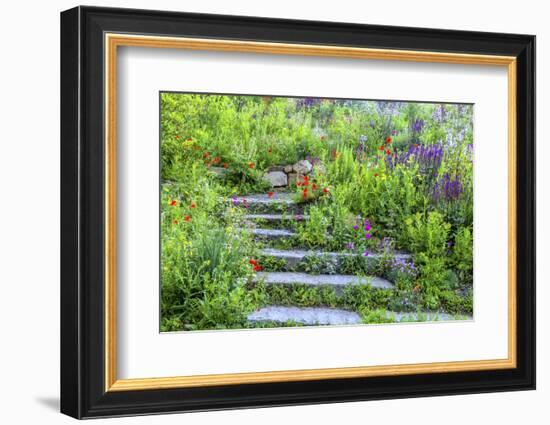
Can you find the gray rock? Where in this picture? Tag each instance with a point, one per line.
(272, 233)
(292, 179)
(276, 178)
(293, 257)
(288, 169)
(276, 217)
(338, 281)
(220, 171)
(263, 198)
(426, 317)
(276, 168)
(302, 167)
(305, 316)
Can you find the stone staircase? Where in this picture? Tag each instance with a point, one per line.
(272, 219)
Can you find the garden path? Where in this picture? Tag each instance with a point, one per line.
(270, 220)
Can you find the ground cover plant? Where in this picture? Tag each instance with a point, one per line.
(281, 211)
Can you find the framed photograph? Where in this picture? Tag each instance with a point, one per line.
(261, 212)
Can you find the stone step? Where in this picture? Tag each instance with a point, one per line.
(337, 281)
(280, 201)
(426, 316)
(293, 257)
(270, 234)
(305, 315)
(310, 316)
(275, 217)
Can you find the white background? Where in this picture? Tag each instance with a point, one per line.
(141, 344)
(29, 225)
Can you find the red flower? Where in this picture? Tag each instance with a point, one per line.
(382, 148)
(250, 165)
(225, 165)
(173, 203)
(189, 139)
(253, 262)
(216, 160)
(187, 218)
(257, 268)
(298, 184)
(205, 155)
(314, 186)
(178, 137)
(193, 205)
(388, 152)
(175, 221)
(375, 174)
(388, 140)
(270, 194)
(326, 190)
(304, 193)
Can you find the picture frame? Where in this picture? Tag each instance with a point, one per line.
(90, 40)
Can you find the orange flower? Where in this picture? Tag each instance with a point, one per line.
(178, 137)
(173, 203)
(388, 140)
(205, 155)
(326, 190)
(314, 186)
(225, 165)
(250, 165)
(175, 222)
(189, 139)
(388, 152)
(375, 174)
(193, 205)
(382, 148)
(270, 194)
(187, 218)
(216, 160)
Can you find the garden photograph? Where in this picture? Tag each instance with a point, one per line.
(302, 211)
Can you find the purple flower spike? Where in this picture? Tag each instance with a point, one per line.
(367, 235)
(366, 253)
(350, 245)
(356, 227)
(235, 201)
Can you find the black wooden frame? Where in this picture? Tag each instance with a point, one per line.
(82, 212)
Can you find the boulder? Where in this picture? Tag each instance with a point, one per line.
(302, 167)
(292, 178)
(288, 169)
(276, 178)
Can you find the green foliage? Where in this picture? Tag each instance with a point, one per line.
(214, 147)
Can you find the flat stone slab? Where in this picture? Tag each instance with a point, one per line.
(272, 233)
(336, 280)
(276, 217)
(427, 317)
(305, 316)
(265, 199)
(293, 257)
(298, 254)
